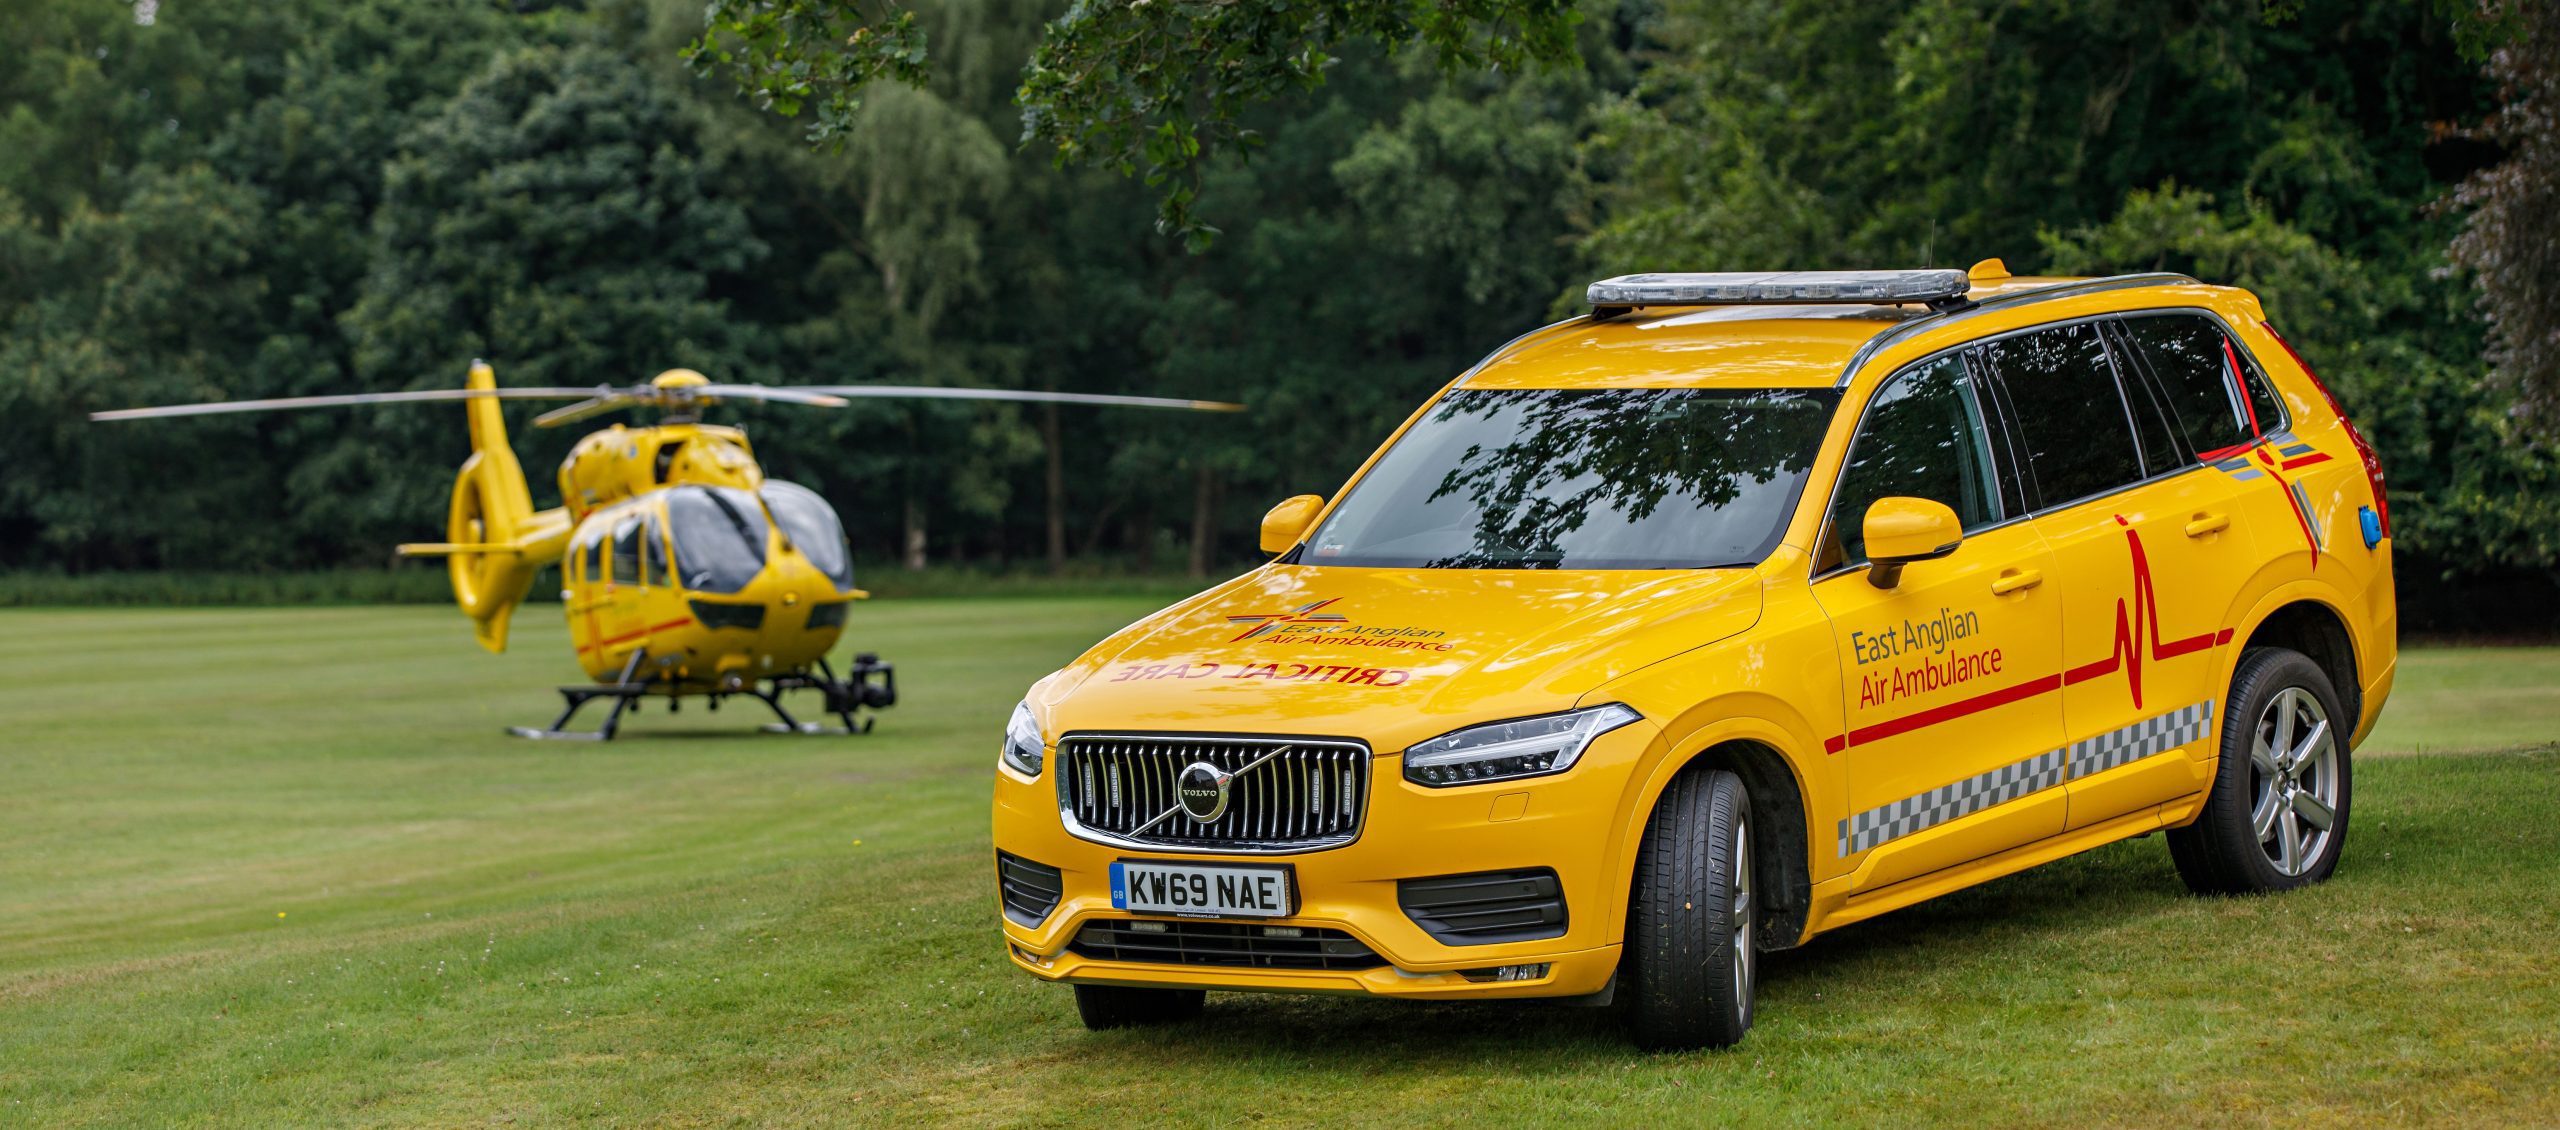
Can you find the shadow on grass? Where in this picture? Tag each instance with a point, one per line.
(2077, 903)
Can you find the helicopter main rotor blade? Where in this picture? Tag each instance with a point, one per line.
(925, 392)
(597, 406)
(816, 398)
(342, 400)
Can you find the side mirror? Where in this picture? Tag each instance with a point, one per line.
(1901, 530)
(1287, 522)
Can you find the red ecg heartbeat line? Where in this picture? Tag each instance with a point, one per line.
(2136, 621)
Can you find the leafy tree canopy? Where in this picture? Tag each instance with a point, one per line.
(1151, 88)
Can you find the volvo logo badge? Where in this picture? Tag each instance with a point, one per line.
(1202, 791)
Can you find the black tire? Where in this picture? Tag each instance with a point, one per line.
(1113, 1006)
(2229, 850)
(1690, 965)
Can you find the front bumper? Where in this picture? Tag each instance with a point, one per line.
(1571, 823)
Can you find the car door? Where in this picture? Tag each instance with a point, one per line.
(1953, 738)
(2149, 560)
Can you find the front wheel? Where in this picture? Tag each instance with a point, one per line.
(1691, 963)
(2277, 816)
(1113, 1006)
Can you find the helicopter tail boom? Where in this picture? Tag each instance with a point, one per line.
(494, 539)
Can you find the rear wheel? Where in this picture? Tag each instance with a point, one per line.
(1691, 964)
(1115, 1006)
(2277, 816)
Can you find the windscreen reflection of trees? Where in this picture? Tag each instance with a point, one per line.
(719, 536)
(1668, 478)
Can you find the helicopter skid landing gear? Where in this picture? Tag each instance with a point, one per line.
(868, 684)
(622, 691)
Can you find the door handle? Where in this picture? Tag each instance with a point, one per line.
(2016, 580)
(2208, 524)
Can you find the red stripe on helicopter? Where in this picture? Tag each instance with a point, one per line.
(627, 636)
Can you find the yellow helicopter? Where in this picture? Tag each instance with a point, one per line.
(684, 569)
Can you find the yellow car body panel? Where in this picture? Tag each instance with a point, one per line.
(2098, 631)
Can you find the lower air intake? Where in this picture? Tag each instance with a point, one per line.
(1487, 907)
(1223, 943)
(1029, 890)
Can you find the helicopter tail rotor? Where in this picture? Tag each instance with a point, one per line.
(496, 540)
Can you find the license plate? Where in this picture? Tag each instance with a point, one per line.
(1201, 890)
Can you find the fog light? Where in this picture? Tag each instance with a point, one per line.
(1033, 958)
(1508, 972)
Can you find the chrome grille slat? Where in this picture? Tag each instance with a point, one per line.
(1310, 795)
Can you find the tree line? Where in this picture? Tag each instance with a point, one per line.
(233, 198)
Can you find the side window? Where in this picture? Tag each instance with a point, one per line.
(1922, 437)
(2264, 407)
(626, 552)
(2069, 412)
(593, 556)
(2190, 362)
(653, 553)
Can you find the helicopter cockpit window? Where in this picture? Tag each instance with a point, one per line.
(811, 525)
(626, 553)
(719, 535)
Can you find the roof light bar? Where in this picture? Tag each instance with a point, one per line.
(1937, 288)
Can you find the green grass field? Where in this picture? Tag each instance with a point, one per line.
(277, 867)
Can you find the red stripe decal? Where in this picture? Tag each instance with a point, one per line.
(2135, 626)
(2307, 460)
(677, 623)
(1953, 710)
(2301, 519)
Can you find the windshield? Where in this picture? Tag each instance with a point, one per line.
(719, 537)
(1582, 479)
(811, 525)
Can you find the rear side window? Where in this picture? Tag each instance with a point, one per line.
(1922, 437)
(2190, 364)
(2262, 396)
(2070, 414)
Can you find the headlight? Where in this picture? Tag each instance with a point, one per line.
(1522, 747)
(1022, 741)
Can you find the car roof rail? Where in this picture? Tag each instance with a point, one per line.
(1900, 330)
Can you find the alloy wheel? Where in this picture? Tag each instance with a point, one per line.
(2293, 781)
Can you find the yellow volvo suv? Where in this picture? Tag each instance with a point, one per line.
(1743, 608)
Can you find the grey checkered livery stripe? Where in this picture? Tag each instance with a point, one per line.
(2143, 739)
(2297, 449)
(2151, 736)
(1947, 802)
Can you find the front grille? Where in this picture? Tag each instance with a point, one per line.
(1486, 907)
(1029, 890)
(1311, 795)
(1223, 943)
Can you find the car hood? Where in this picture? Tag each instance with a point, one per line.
(1391, 656)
